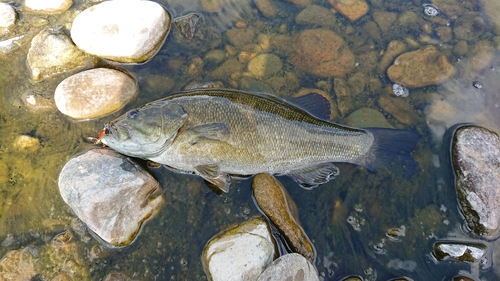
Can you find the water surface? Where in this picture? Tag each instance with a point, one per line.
(348, 220)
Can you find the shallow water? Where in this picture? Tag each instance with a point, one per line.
(348, 219)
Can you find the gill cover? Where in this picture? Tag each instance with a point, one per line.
(147, 131)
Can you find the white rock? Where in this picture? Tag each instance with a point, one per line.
(94, 93)
(10, 44)
(48, 6)
(290, 267)
(240, 253)
(123, 31)
(7, 18)
(110, 194)
(52, 52)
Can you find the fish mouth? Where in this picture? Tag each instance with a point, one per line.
(110, 128)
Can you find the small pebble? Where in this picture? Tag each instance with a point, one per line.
(400, 90)
(477, 84)
(430, 10)
(27, 143)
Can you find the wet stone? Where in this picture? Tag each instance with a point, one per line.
(466, 252)
(123, 31)
(94, 93)
(400, 90)
(423, 67)
(316, 15)
(27, 143)
(351, 9)
(18, 265)
(476, 162)
(187, 24)
(270, 196)
(367, 117)
(290, 267)
(431, 10)
(323, 53)
(7, 18)
(469, 27)
(38, 101)
(48, 6)
(249, 247)
(265, 65)
(109, 193)
(266, 7)
(52, 52)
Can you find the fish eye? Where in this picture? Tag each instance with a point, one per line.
(132, 114)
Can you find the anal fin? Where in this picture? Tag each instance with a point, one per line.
(211, 174)
(313, 176)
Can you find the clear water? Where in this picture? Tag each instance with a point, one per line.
(348, 219)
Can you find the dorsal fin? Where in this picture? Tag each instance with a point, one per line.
(314, 103)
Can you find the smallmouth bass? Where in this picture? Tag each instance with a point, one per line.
(217, 134)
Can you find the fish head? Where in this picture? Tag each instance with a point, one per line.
(144, 132)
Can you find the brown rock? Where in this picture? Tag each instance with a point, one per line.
(351, 9)
(343, 93)
(316, 15)
(384, 19)
(270, 196)
(266, 7)
(399, 108)
(239, 37)
(420, 68)
(394, 49)
(322, 52)
(301, 3)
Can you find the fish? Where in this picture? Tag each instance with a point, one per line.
(219, 134)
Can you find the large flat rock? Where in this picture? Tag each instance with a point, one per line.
(476, 162)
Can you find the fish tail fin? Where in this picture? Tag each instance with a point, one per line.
(392, 146)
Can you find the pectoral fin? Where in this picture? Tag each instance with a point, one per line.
(211, 174)
(212, 131)
(315, 175)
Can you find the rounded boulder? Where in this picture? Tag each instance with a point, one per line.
(94, 93)
(129, 31)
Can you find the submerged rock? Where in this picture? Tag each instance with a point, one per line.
(423, 67)
(475, 159)
(269, 194)
(290, 267)
(351, 9)
(124, 31)
(18, 265)
(265, 65)
(94, 93)
(466, 252)
(112, 195)
(242, 252)
(52, 52)
(322, 52)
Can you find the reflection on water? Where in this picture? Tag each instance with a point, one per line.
(378, 226)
